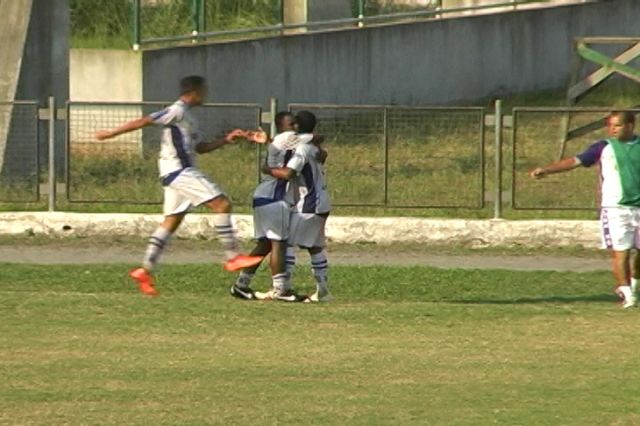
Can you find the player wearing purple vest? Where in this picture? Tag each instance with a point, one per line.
(619, 160)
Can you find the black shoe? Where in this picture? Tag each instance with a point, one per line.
(242, 293)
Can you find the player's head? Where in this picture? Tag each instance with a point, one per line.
(620, 124)
(284, 121)
(305, 122)
(193, 89)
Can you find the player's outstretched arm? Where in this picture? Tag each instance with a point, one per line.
(284, 173)
(563, 165)
(125, 128)
(229, 138)
(257, 136)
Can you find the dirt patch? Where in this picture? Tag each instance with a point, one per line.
(42, 250)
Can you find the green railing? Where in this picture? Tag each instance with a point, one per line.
(197, 29)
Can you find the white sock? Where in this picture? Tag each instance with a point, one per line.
(320, 267)
(226, 234)
(157, 242)
(280, 283)
(244, 279)
(624, 290)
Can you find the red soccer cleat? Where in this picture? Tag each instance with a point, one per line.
(241, 261)
(144, 280)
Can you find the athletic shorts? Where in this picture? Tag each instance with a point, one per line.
(271, 221)
(189, 189)
(307, 230)
(620, 228)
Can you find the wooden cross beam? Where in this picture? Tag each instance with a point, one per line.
(608, 67)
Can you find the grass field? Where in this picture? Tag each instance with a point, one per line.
(398, 346)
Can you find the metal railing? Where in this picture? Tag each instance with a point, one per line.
(403, 157)
(199, 32)
(380, 156)
(124, 170)
(535, 143)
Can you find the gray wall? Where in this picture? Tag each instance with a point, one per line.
(434, 62)
(44, 72)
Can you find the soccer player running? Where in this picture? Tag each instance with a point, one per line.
(312, 207)
(619, 159)
(185, 186)
(272, 201)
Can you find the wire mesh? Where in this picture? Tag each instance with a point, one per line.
(124, 169)
(436, 157)
(355, 142)
(402, 157)
(20, 171)
(536, 142)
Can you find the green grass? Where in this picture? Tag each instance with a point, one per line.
(421, 346)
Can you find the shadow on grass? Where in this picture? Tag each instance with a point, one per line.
(603, 298)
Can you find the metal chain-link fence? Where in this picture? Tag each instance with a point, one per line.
(538, 135)
(403, 157)
(124, 169)
(379, 156)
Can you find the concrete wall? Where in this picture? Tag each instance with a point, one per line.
(13, 33)
(105, 75)
(44, 72)
(475, 233)
(433, 62)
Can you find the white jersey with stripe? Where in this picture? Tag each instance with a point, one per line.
(279, 152)
(179, 137)
(312, 195)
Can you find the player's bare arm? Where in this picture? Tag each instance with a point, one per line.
(257, 136)
(283, 173)
(125, 128)
(563, 165)
(229, 138)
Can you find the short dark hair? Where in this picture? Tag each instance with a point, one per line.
(191, 83)
(281, 116)
(306, 121)
(627, 117)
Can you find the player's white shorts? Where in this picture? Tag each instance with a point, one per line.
(307, 230)
(271, 221)
(189, 189)
(620, 227)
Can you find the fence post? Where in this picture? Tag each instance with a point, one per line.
(197, 18)
(273, 106)
(385, 130)
(135, 21)
(52, 154)
(497, 207)
(360, 13)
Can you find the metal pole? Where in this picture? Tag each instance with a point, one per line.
(273, 106)
(195, 21)
(385, 130)
(52, 154)
(202, 17)
(136, 24)
(360, 13)
(497, 207)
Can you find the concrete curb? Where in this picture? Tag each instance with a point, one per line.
(477, 233)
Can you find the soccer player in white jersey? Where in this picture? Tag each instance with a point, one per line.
(619, 160)
(272, 201)
(312, 207)
(184, 185)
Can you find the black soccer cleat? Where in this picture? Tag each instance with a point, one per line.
(242, 293)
